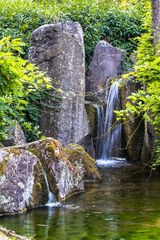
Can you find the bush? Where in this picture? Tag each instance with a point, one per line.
(18, 79)
(20, 89)
(99, 20)
(146, 101)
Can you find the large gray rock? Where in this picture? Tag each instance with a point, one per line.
(64, 178)
(59, 50)
(106, 63)
(15, 135)
(24, 170)
(22, 184)
(133, 127)
(76, 153)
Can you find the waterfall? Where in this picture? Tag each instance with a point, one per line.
(51, 198)
(100, 131)
(109, 130)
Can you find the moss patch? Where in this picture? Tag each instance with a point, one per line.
(92, 116)
(3, 166)
(75, 152)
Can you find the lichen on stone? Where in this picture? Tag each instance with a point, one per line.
(77, 153)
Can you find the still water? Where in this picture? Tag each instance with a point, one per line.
(124, 206)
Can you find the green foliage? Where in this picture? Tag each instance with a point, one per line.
(18, 79)
(90, 19)
(99, 19)
(146, 101)
(21, 85)
(120, 27)
(147, 72)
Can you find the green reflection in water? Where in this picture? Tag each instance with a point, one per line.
(123, 206)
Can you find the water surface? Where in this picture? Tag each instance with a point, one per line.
(124, 206)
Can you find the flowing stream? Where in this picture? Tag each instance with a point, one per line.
(51, 198)
(109, 130)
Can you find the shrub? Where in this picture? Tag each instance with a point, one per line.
(99, 20)
(146, 101)
(18, 79)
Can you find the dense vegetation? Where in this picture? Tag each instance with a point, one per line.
(146, 101)
(99, 20)
(18, 80)
(122, 23)
(18, 18)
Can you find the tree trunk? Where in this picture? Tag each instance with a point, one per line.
(156, 22)
(151, 136)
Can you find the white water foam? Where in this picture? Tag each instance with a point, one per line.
(53, 204)
(113, 162)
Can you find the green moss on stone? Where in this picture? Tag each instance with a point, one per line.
(3, 165)
(92, 117)
(75, 152)
(3, 168)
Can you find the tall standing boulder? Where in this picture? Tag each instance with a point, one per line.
(106, 63)
(58, 49)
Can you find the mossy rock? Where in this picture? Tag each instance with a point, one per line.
(92, 97)
(23, 170)
(92, 117)
(64, 178)
(75, 153)
(6, 234)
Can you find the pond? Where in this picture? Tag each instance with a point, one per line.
(125, 205)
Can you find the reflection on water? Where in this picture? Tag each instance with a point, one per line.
(124, 206)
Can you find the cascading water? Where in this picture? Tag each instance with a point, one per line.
(109, 130)
(100, 131)
(51, 198)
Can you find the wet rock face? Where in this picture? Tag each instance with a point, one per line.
(15, 135)
(22, 180)
(92, 116)
(59, 51)
(133, 129)
(106, 63)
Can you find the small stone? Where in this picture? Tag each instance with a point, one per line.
(15, 135)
